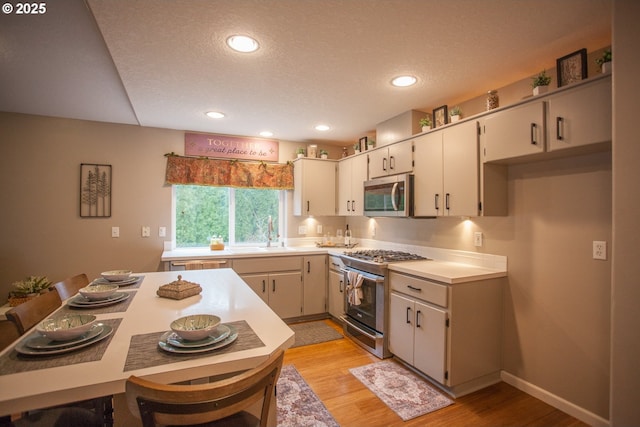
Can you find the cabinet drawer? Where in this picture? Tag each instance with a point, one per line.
(267, 264)
(419, 288)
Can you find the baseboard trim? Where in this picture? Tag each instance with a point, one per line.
(555, 401)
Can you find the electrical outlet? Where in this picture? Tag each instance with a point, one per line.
(162, 232)
(599, 249)
(115, 231)
(146, 231)
(477, 238)
(319, 229)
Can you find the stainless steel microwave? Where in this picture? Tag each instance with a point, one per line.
(389, 196)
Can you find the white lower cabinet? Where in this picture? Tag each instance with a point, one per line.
(452, 333)
(419, 336)
(277, 280)
(314, 279)
(336, 288)
(281, 291)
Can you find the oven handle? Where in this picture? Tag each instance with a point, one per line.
(373, 337)
(377, 279)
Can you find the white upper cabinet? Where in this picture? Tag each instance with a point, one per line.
(446, 174)
(514, 132)
(352, 172)
(314, 190)
(580, 116)
(391, 159)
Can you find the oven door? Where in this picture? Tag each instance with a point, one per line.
(364, 298)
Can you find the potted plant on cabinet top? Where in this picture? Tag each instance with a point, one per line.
(605, 61)
(300, 152)
(324, 154)
(356, 148)
(456, 114)
(540, 83)
(371, 144)
(425, 123)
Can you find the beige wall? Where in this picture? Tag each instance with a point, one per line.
(625, 348)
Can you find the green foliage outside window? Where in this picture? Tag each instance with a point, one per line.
(202, 212)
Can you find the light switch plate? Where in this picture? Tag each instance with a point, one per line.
(115, 231)
(162, 232)
(302, 229)
(477, 238)
(146, 231)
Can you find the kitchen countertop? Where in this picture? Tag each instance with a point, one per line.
(446, 266)
(447, 272)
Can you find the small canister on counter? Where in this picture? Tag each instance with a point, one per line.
(492, 100)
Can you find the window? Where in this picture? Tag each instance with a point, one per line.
(239, 215)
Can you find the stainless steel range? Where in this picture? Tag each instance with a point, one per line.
(367, 296)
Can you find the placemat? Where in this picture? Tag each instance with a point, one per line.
(145, 353)
(114, 308)
(12, 362)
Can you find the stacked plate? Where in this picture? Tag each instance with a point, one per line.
(39, 345)
(221, 336)
(124, 282)
(82, 302)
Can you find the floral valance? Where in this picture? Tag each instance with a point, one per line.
(228, 173)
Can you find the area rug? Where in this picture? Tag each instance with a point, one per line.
(313, 333)
(404, 392)
(298, 405)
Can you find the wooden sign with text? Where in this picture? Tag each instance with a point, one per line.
(230, 147)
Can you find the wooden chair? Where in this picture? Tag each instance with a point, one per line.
(223, 401)
(8, 334)
(28, 314)
(69, 287)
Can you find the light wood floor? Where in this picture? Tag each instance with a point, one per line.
(325, 367)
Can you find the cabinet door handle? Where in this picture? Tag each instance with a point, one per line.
(348, 206)
(274, 285)
(446, 201)
(533, 134)
(418, 318)
(559, 123)
(353, 205)
(384, 164)
(392, 162)
(308, 205)
(308, 266)
(341, 286)
(408, 316)
(437, 201)
(413, 288)
(264, 286)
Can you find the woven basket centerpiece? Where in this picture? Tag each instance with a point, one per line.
(179, 289)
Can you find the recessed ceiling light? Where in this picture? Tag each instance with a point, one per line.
(266, 134)
(322, 128)
(404, 81)
(215, 114)
(243, 44)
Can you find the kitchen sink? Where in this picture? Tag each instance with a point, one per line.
(258, 249)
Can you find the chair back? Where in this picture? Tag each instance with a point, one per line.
(28, 314)
(175, 404)
(69, 286)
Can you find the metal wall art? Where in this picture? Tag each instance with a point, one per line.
(95, 190)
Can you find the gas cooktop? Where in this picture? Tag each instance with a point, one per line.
(382, 256)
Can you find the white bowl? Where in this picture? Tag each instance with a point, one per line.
(98, 292)
(116, 275)
(195, 327)
(67, 327)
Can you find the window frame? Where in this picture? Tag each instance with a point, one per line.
(282, 213)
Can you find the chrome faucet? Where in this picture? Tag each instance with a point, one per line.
(269, 231)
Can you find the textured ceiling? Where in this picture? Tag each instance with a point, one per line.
(165, 63)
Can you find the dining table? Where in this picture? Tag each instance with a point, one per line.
(138, 324)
